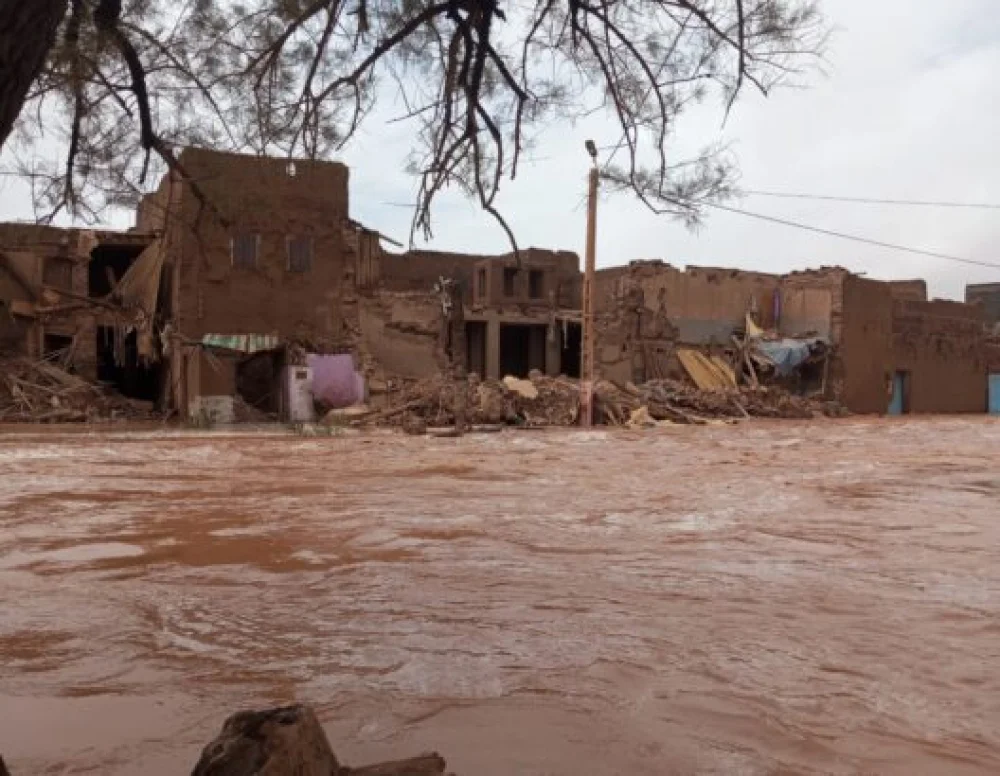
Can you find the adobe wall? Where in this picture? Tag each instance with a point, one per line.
(859, 372)
(909, 290)
(419, 270)
(812, 302)
(560, 281)
(259, 196)
(399, 331)
(992, 355)
(942, 345)
(987, 296)
(705, 303)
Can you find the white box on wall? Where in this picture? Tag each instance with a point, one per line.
(296, 394)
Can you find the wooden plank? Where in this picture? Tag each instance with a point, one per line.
(23, 308)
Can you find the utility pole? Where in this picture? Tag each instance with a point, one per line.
(587, 338)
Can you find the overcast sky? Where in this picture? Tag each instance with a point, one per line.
(909, 108)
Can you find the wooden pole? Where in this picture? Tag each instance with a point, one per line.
(587, 356)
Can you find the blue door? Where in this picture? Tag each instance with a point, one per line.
(994, 394)
(897, 405)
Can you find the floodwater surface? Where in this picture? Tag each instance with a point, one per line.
(796, 598)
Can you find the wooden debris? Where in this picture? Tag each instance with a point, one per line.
(36, 391)
(428, 403)
(425, 765)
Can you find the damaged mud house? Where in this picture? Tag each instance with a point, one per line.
(253, 293)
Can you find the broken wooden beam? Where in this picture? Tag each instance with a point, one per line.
(425, 765)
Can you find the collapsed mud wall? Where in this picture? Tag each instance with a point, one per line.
(812, 301)
(399, 332)
(34, 257)
(941, 345)
(399, 315)
(706, 304)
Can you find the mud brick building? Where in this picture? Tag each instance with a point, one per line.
(893, 350)
(227, 268)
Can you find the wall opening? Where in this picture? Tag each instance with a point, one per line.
(522, 348)
(475, 342)
(481, 283)
(107, 265)
(536, 284)
(572, 342)
(509, 280)
(55, 345)
(899, 402)
(258, 381)
(300, 253)
(244, 248)
(118, 364)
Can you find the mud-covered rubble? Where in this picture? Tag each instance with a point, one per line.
(39, 391)
(542, 401)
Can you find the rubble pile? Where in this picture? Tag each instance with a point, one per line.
(681, 402)
(34, 391)
(542, 401)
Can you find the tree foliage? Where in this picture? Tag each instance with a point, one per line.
(128, 81)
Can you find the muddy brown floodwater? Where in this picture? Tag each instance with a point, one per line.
(759, 599)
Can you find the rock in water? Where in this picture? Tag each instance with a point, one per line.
(287, 741)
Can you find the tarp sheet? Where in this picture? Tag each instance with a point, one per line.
(335, 383)
(139, 287)
(243, 343)
(786, 354)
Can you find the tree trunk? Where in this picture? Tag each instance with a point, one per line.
(27, 33)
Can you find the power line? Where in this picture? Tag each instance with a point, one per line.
(851, 237)
(873, 200)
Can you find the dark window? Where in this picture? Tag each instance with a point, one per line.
(244, 248)
(300, 254)
(481, 283)
(536, 283)
(509, 280)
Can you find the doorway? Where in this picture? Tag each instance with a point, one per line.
(258, 380)
(475, 346)
(899, 404)
(994, 393)
(572, 342)
(522, 348)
